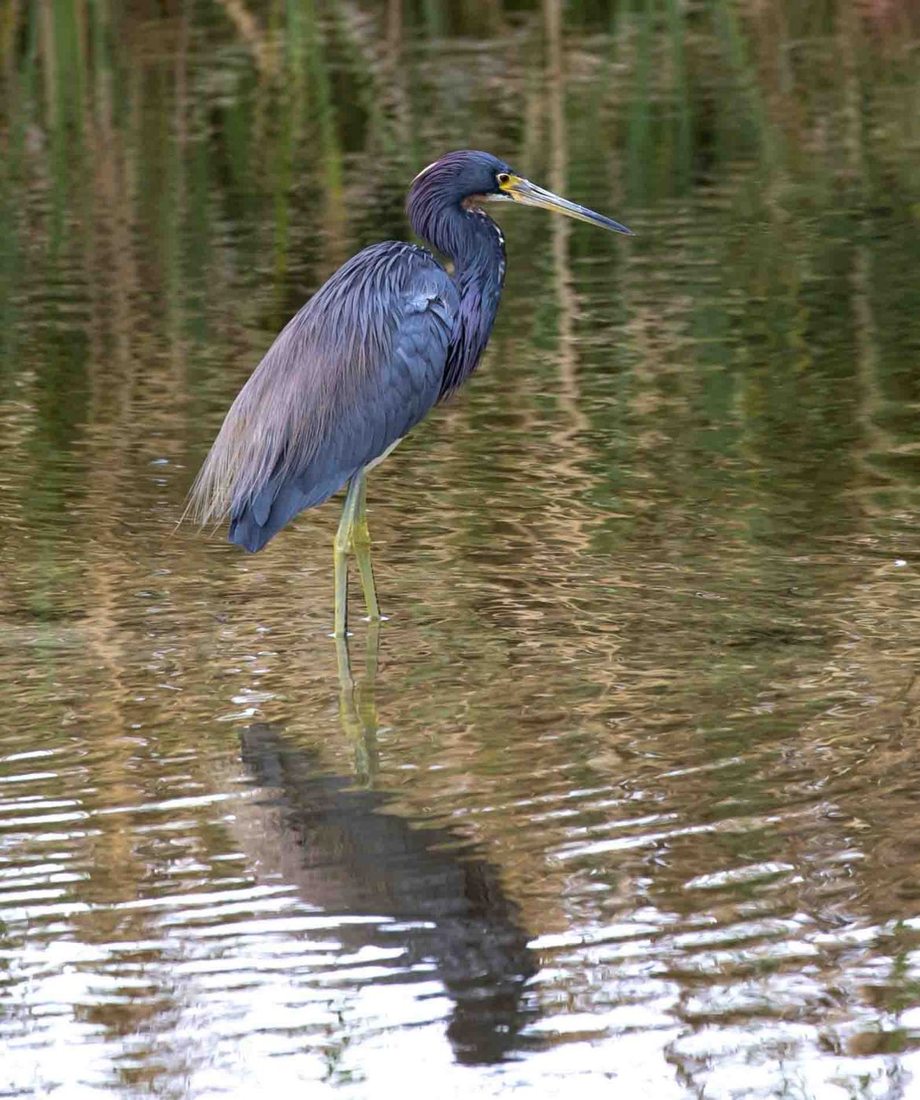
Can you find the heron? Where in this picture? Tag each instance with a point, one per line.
(390, 335)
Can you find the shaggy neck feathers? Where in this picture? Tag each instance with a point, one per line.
(475, 245)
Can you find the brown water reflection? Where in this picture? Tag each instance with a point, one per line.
(629, 799)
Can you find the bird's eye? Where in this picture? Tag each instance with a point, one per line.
(503, 177)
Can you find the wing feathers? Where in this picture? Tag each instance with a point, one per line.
(348, 376)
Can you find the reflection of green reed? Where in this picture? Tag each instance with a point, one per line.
(219, 137)
(171, 187)
(678, 70)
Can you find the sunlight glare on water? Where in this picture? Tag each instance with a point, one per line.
(623, 799)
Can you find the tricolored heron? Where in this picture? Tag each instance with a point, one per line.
(377, 346)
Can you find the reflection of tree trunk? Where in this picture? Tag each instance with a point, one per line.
(570, 452)
(396, 75)
(49, 64)
(864, 326)
(865, 334)
(558, 171)
(109, 252)
(175, 379)
(380, 46)
(9, 24)
(247, 27)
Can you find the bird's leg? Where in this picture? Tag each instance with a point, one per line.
(340, 549)
(361, 544)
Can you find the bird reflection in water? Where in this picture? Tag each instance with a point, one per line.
(436, 900)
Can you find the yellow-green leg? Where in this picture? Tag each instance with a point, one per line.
(353, 536)
(340, 551)
(361, 544)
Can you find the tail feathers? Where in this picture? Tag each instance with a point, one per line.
(257, 521)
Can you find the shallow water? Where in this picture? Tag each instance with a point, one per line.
(624, 794)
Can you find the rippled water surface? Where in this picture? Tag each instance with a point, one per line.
(624, 797)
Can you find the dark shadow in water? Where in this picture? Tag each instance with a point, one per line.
(351, 857)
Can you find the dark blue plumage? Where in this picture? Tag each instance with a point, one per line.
(414, 305)
(388, 336)
(377, 346)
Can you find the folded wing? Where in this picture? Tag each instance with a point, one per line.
(352, 372)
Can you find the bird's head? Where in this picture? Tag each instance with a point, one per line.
(469, 177)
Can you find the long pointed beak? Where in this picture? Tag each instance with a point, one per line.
(529, 194)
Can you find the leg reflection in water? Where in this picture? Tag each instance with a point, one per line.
(440, 903)
(357, 703)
